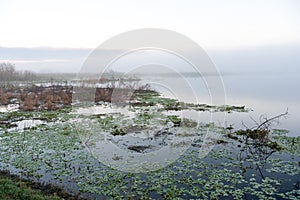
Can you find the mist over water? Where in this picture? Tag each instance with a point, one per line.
(265, 95)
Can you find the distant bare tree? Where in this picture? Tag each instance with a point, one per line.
(28, 76)
(7, 72)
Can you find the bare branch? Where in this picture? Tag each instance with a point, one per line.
(268, 121)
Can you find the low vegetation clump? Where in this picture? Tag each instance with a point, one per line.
(260, 135)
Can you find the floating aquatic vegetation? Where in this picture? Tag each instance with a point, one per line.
(152, 98)
(236, 168)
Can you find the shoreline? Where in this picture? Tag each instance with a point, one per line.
(46, 190)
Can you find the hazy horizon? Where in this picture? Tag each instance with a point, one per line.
(267, 59)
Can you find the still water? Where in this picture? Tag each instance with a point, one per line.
(265, 95)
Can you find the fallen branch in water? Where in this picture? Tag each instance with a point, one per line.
(259, 134)
(265, 125)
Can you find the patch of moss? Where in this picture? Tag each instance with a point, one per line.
(118, 131)
(175, 119)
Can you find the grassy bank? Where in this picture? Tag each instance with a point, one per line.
(14, 188)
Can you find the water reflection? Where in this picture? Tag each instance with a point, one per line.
(254, 156)
(268, 94)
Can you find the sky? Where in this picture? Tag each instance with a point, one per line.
(85, 24)
(58, 35)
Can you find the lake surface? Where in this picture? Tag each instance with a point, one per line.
(269, 85)
(267, 95)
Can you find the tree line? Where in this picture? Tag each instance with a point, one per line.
(9, 73)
